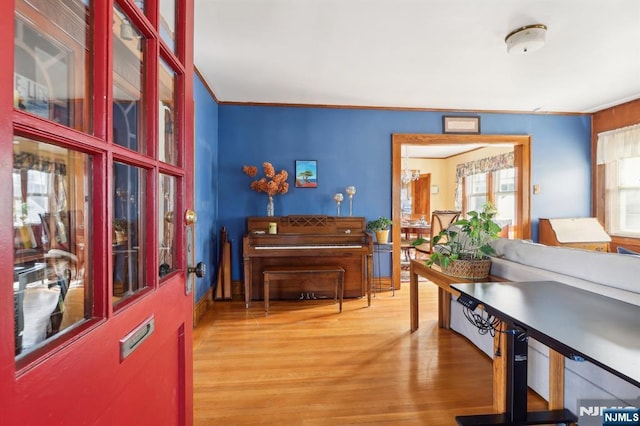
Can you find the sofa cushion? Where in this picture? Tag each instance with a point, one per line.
(623, 250)
(607, 269)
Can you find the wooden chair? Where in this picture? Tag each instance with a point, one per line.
(440, 219)
(410, 233)
(406, 246)
(504, 232)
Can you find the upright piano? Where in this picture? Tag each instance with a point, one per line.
(307, 240)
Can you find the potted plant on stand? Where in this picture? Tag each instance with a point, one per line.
(381, 228)
(120, 230)
(463, 249)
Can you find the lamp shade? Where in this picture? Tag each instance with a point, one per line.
(526, 39)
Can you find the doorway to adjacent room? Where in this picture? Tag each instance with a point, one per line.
(521, 180)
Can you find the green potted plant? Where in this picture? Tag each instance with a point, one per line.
(463, 249)
(381, 228)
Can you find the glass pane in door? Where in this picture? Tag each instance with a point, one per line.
(128, 226)
(168, 23)
(167, 140)
(53, 61)
(167, 223)
(128, 84)
(140, 4)
(52, 271)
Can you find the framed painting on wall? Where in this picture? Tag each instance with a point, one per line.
(461, 124)
(306, 174)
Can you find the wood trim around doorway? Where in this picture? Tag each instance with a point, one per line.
(522, 150)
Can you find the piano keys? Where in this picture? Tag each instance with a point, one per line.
(307, 240)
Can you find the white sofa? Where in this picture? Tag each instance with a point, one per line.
(610, 274)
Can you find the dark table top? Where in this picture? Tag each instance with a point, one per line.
(570, 320)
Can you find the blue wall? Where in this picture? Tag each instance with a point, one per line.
(353, 147)
(206, 184)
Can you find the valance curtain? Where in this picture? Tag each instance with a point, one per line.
(484, 165)
(30, 161)
(617, 144)
(613, 146)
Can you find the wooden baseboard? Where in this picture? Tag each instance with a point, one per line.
(202, 306)
(237, 290)
(206, 302)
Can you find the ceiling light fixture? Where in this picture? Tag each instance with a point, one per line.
(526, 39)
(408, 175)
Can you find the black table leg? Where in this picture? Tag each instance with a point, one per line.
(517, 348)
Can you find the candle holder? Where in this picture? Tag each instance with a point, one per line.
(338, 198)
(351, 190)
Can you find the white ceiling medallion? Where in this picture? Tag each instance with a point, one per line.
(526, 39)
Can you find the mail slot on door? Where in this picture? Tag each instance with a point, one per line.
(134, 339)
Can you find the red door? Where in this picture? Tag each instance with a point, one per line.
(96, 165)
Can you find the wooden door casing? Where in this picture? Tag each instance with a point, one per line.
(522, 154)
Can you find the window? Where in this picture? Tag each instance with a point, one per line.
(624, 198)
(619, 152)
(504, 195)
(32, 186)
(497, 187)
(477, 195)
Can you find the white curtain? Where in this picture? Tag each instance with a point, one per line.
(613, 146)
(617, 144)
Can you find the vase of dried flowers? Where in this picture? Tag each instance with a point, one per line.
(273, 183)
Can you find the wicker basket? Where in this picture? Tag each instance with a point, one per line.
(471, 269)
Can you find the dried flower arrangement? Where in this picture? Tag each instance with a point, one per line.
(273, 183)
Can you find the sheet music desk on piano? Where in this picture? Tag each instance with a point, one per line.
(307, 240)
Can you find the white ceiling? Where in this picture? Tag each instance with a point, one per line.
(435, 54)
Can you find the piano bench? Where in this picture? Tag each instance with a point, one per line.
(292, 272)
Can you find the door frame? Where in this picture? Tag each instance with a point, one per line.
(522, 150)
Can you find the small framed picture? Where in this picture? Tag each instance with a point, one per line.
(461, 124)
(306, 174)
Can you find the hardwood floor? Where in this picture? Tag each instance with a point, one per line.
(307, 364)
